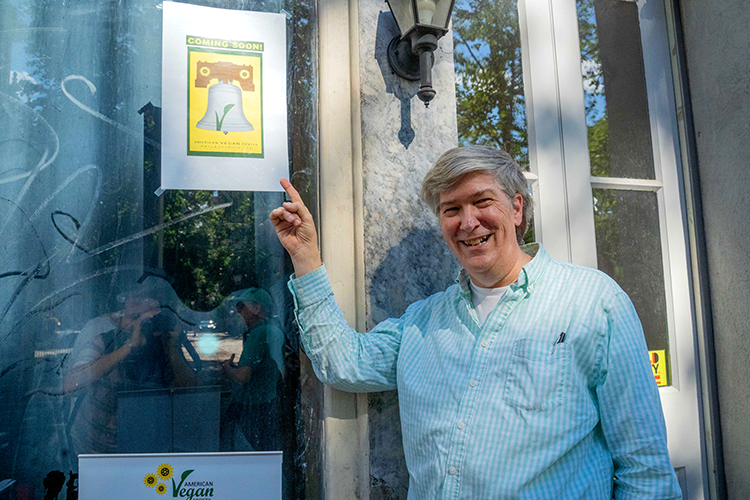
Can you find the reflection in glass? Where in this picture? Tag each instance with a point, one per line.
(136, 348)
(614, 84)
(255, 407)
(115, 315)
(489, 78)
(628, 247)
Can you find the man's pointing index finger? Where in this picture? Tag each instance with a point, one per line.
(293, 194)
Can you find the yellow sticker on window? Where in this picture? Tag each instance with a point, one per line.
(659, 366)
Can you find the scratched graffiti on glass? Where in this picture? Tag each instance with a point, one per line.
(131, 321)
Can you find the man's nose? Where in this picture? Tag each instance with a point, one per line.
(469, 220)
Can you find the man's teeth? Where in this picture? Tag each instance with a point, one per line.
(477, 241)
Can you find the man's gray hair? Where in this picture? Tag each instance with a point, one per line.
(457, 162)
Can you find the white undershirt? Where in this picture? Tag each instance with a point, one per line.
(485, 299)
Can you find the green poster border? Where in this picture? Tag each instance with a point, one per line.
(245, 53)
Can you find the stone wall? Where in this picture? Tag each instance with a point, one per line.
(405, 257)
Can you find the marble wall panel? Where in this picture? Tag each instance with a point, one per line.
(405, 257)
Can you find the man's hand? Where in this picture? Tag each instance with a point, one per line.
(136, 337)
(296, 231)
(239, 374)
(227, 364)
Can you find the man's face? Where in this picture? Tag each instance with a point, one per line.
(479, 225)
(136, 307)
(249, 311)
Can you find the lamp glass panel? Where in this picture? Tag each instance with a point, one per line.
(403, 11)
(442, 15)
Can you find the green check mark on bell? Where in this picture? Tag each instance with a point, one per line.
(220, 122)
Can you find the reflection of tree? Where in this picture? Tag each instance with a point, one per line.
(593, 85)
(599, 156)
(592, 66)
(607, 234)
(205, 253)
(629, 249)
(605, 203)
(489, 79)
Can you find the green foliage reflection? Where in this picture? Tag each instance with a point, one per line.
(489, 79)
(593, 90)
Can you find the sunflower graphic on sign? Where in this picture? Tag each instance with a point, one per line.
(164, 472)
(150, 480)
(157, 480)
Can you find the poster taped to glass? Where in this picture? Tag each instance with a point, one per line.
(223, 99)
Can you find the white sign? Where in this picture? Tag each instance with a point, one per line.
(224, 115)
(189, 476)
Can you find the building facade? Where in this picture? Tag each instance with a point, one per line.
(630, 118)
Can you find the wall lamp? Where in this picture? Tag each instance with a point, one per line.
(410, 54)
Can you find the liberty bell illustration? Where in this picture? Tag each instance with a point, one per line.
(224, 111)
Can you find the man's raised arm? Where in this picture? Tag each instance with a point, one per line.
(341, 357)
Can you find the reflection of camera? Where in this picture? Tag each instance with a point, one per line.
(161, 323)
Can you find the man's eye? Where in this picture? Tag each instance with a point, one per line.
(483, 202)
(450, 211)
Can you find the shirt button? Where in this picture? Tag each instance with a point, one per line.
(461, 425)
(485, 344)
(473, 383)
(300, 291)
(531, 286)
(452, 471)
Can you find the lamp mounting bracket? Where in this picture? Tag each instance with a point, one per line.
(402, 59)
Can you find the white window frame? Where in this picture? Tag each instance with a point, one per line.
(563, 211)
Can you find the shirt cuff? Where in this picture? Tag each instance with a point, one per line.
(311, 288)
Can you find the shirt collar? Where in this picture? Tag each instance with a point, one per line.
(530, 273)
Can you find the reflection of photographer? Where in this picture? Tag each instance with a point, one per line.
(134, 349)
(256, 402)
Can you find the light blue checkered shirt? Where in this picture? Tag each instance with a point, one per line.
(504, 411)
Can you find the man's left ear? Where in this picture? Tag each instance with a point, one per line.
(517, 209)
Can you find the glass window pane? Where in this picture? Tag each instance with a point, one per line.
(489, 78)
(628, 247)
(117, 306)
(614, 85)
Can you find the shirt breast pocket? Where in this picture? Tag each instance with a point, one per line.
(537, 375)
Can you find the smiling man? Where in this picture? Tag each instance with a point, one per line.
(528, 379)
